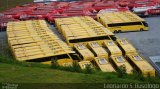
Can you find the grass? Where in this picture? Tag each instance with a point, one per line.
(12, 3)
(22, 72)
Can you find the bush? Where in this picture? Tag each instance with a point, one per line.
(153, 79)
(137, 75)
(76, 67)
(121, 71)
(88, 69)
(54, 63)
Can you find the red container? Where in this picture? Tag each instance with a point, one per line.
(52, 17)
(15, 14)
(88, 13)
(4, 20)
(62, 4)
(142, 3)
(123, 3)
(153, 12)
(75, 14)
(103, 5)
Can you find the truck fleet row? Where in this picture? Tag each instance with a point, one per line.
(58, 9)
(87, 42)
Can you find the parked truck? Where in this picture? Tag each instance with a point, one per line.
(116, 57)
(83, 52)
(97, 50)
(103, 64)
(126, 46)
(101, 59)
(85, 64)
(141, 64)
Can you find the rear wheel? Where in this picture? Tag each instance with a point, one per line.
(141, 29)
(115, 31)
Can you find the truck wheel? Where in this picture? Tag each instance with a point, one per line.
(141, 29)
(115, 31)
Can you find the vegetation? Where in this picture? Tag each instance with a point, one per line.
(7, 4)
(22, 72)
(121, 71)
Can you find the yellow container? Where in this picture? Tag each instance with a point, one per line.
(126, 47)
(122, 21)
(141, 64)
(84, 52)
(103, 64)
(112, 47)
(65, 62)
(84, 64)
(33, 40)
(97, 50)
(47, 62)
(82, 29)
(120, 61)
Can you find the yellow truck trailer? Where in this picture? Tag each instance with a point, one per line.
(141, 64)
(83, 52)
(97, 49)
(122, 21)
(34, 41)
(82, 35)
(103, 64)
(64, 59)
(85, 21)
(84, 64)
(61, 60)
(120, 61)
(126, 46)
(82, 29)
(113, 49)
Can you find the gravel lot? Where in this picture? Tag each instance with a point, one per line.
(146, 42)
(4, 48)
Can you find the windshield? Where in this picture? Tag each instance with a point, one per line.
(102, 61)
(145, 24)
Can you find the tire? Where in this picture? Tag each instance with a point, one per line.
(115, 31)
(141, 29)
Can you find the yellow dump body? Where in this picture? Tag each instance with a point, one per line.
(84, 52)
(97, 49)
(112, 47)
(122, 21)
(47, 62)
(84, 64)
(141, 64)
(64, 21)
(65, 62)
(33, 40)
(119, 61)
(82, 29)
(61, 60)
(103, 64)
(85, 21)
(126, 47)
